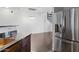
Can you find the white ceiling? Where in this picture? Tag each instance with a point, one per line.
(37, 9)
(25, 10)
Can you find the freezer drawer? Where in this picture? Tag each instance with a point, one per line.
(75, 46)
(67, 46)
(57, 44)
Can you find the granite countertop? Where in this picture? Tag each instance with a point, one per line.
(2, 47)
(7, 45)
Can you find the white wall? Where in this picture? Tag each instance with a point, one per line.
(41, 24)
(28, 21)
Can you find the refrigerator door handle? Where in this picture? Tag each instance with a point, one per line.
(64, 23)
(72, 22)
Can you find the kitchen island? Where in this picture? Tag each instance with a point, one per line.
(17, 45)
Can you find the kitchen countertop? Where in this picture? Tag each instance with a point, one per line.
(9, 44)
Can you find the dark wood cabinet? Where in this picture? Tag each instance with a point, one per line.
(25, 44)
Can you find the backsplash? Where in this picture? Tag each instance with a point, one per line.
(2, 35)
(12, 33)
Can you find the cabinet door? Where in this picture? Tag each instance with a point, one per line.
(67, 46)
(26, 44)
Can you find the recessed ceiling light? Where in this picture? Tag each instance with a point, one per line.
(11, 11)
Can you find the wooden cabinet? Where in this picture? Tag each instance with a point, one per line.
(25, 44)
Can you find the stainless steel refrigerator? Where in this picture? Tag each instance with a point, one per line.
(67, 30)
